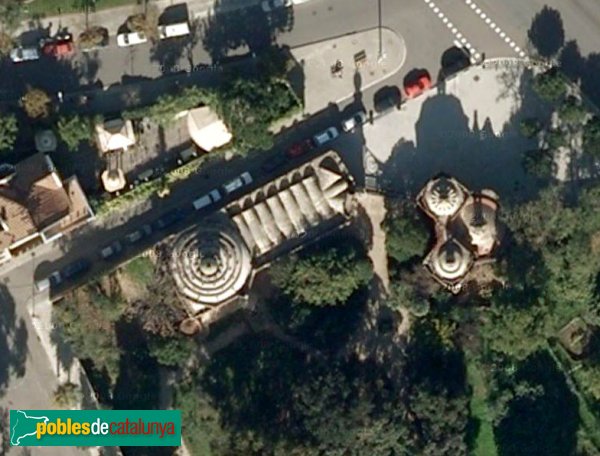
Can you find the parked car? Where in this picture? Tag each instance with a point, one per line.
(130, 39)
(355, 120)
(173, 30)
(273, 163)
(59, 46)
(237, 183)
(386, 99)
(75, 269)
(111, 250)
(325, 136)
(417, 86)
(270, 5)
(144, 176)
(299, 149)
(52, 280)
(137, 235)
(169, 219)
(210, 198)
(22, 54)
(187, 155)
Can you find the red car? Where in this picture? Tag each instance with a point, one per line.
(299, 149)
(59, 46)
(417, 87)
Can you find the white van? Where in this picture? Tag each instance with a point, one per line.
(173, 30)
(210, 198)
(130, 39)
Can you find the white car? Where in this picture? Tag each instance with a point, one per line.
(204, 201)
(325, 136)
(53, 279)
(357, 119)
(270, 5)
(173, 30)
(131, 39)
(21, 54)
(238, 182)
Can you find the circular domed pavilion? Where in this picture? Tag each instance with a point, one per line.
(443, 197)
(210, 264)
(450, 261)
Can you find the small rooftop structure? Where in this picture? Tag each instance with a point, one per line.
(206, 129)
(115, 134)
(45, 141)
(113, 177)
(466, 230)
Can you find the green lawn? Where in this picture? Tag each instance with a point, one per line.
(140, 270)
(45, 8)
(485, 444)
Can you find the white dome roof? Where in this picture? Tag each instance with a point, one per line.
(451, 261)
(443, 197)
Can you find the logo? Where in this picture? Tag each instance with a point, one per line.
(95, 428)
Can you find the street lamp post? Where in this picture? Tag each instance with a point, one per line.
(381, 54)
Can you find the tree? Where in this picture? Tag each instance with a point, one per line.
(406, 233)
(539, 163)
(171, 351)
(556, 139)
(327, 274)
(6, 44)
(74, 130)
(93, 37)
(591, 137)
(403, 296)
(167, 107)
(8, 131)
(550, 86)
(249, 105)
(11, 12)
(86, 319)
(571, 112)
(67, 395)
(530, 127)
(146, 22)
(36, 103)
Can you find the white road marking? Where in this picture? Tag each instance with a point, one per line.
(495, 28)
(460, 40)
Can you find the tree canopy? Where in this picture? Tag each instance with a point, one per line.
(327, 274)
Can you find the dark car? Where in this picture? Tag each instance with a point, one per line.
(273, 163)
(387, 98)
(170, 218)
(76, 268)
(300, 148)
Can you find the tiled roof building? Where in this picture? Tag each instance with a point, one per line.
(36, 206)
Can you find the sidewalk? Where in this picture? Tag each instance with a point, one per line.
(114, 18)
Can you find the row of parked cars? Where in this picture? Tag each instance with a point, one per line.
(62, 45)
(110, 251)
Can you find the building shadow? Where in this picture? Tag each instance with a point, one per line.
(474, 151)
(13, 341)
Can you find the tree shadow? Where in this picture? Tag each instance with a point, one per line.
(64, 352)
(13, 341)
(545, 422)
(250, 28)
(546, 33)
